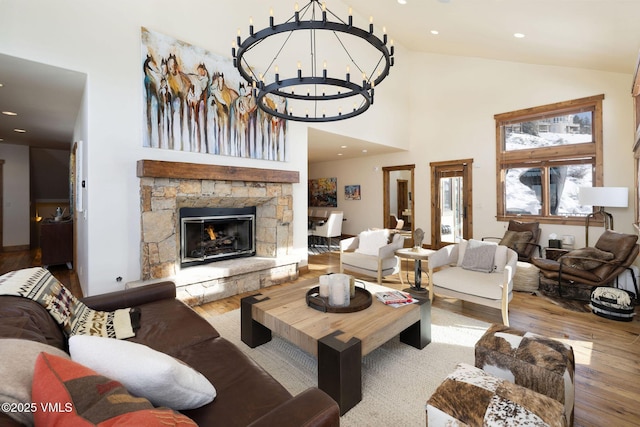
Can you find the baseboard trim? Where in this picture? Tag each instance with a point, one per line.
(303, 269)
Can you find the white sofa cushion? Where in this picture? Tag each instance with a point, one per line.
(484, 285)
(371, 241)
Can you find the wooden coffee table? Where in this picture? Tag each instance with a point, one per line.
(338, 340)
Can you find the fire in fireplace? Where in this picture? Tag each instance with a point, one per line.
(213, 234)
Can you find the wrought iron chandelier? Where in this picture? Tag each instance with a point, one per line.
(315, 91)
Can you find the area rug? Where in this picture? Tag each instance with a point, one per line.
(397, 379)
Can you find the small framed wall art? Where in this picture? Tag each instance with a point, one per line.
(352, 192)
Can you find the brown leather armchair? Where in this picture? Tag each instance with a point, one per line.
(522, 237)
(600, 265)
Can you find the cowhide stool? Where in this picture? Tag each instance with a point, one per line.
(538, 363)
(471, 397)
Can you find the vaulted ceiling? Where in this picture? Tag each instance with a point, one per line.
(592, 34)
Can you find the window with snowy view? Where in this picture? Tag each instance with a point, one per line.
(544, 155)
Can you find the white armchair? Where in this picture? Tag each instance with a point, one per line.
(331, 228)
(370, 254)
(450, 274)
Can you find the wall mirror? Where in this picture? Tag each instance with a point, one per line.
(398, 210)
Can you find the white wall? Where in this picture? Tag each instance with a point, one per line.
(452, 119)
(15, 231)
(102, 39)
(81, 225)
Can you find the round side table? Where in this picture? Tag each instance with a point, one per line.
(418, 255)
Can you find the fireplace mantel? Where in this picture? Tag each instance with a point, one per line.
(182, 170)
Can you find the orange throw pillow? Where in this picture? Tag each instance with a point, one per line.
(66, 393)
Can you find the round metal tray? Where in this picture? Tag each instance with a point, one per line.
(361, 301)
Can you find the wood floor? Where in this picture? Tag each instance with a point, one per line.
(607, 352)
(10, 261)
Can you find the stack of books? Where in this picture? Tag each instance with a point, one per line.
(394, 297)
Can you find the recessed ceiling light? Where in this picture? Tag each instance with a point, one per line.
(435, 32)
(402, 1)
(9, 113)
(518, 35)
(343, 146)
(19, 130)
(339, 154)
(1, 85)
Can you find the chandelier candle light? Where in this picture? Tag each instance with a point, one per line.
(315, 92)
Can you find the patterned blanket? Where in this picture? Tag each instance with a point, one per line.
(74, 316)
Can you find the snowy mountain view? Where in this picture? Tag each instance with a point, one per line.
(523, 185)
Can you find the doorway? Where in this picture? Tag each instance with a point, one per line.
(398, 204)
(451, 202)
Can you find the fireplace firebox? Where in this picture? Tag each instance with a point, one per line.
(213, 234)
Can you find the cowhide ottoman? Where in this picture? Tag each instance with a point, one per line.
(538, 363)
(471, 397)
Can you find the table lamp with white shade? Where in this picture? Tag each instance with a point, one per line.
(601, 197)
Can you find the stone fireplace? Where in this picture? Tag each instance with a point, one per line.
(166, 187)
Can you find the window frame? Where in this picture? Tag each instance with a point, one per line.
(547, 157)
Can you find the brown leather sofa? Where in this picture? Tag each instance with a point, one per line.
(246, 394)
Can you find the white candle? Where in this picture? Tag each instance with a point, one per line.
(336, 294)
(339, 290)
(324, 286)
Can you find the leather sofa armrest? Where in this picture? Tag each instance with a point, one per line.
(312, 407)
(131, 297)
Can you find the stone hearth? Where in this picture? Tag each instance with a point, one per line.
(165, 187)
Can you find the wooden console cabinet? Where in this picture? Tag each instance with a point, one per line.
(56, 243)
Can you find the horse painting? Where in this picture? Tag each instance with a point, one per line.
(191, 104)
(274, 129)
(179, 85)
(152, 82)
(197, 101)
(222, 97)
(244, 123)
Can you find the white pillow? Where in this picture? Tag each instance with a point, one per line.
(500, 259)
(462, 248)
(479, 256)
(145, 372)
(371, 241)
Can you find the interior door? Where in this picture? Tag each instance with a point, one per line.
(451, 202)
